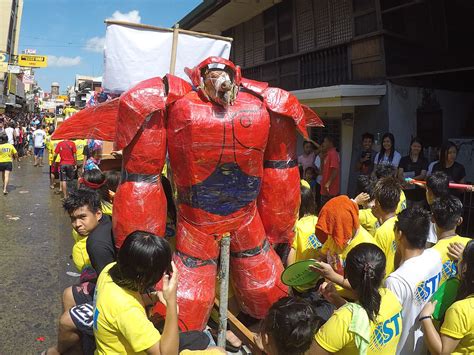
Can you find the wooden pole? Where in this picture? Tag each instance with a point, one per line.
(224, 289)
(155, 28)
(174, 49)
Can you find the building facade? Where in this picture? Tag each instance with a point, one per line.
(10, 24)
(363, 65)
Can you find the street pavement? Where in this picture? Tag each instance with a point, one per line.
(35, 249)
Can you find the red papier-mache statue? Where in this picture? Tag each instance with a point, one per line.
(232, 149)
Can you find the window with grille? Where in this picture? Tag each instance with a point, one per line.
(365, 17)
(332, 127)
(333, 22)
(278, 30)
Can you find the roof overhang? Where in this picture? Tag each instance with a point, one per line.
(342, 95)
(215, 16)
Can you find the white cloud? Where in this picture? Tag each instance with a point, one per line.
(61, 61)
(96, 44)
(132, 16)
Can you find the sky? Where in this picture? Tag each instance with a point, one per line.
(71, 33)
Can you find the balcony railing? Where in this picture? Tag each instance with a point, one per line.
(325, 67)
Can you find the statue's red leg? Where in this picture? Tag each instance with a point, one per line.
(255, 269)
(196, 259)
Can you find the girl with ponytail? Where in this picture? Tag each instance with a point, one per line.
(370, 325)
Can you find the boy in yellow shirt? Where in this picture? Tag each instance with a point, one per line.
(80, 144)
(53, 168)
(387, 197)
(447, 214)
(7, 154)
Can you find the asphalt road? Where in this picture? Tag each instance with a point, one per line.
(35, 249)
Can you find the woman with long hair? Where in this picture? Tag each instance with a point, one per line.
(457, 330)
(413, 166)
(447, 163)
(387, 155)
(370, 324)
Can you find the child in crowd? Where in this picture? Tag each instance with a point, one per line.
(93, 153)
(417, 278)
(447, 214)
(305, 244)
(457, 330)
(365, 200)
(389, 171)
(373, 323)
(288, 328)
(387, 195)
(53, 168)
(310, 175)
(339, 229)
(121, 324)
(94, 180)
(437, 185)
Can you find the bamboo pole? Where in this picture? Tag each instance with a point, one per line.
(224, 289)
(149, 27)
(174, 49)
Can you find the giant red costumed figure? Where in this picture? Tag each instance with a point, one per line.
(232, 150)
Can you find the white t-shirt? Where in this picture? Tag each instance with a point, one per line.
(414, 282)
(39, 137)
(9, 131)
(385, 161)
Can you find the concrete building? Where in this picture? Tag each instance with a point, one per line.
(364, 65)
(10, 24)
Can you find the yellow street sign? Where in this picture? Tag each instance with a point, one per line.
(33, 61)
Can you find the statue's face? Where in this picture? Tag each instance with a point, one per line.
(219, 87)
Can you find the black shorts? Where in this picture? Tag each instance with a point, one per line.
(6, 166)
(83, 292)
(66, 172)
(82, 316)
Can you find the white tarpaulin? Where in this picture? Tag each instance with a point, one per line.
(133, 54)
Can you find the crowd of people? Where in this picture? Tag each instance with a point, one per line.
(380, 257)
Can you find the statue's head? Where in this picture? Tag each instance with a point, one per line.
(217, 79)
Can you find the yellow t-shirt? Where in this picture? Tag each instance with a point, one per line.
(459, 324)
(6, 153)
(450, 267)
(51, 146)
(121, 325)
(80, 144)
(368, 220)
(305, 243)
(335, 337)
(402, 204)
(385, 238)
(336, 256)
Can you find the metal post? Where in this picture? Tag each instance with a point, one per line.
(224, 289)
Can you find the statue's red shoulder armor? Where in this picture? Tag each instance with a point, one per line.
(278, 101)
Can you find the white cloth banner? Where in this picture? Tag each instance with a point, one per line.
(133, 54)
